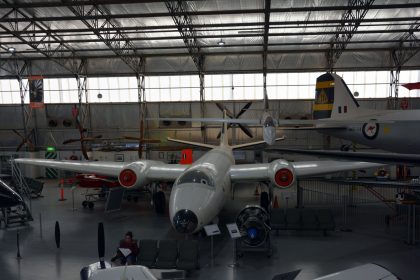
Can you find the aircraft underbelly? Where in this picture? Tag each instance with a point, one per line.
(395, 137)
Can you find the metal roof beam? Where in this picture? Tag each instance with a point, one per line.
(266, 34)
(50, 45)
(112, 37)
(50, 4)
(79, 51)
(293, 24)
(408, 46)
(357, 10)
(179, 12)
(227, 53)
(118, 42)
(222, 12)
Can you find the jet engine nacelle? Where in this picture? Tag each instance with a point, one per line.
(133, 175)
(282, 174)
(253, 223)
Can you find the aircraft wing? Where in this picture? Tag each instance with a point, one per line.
(96, 167)
(261, 171)
(324, 123)
(209, 120)
(156, 170)
(390, 158)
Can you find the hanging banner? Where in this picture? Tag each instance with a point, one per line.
(36, 92)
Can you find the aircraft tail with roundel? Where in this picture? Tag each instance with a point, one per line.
(333, 98)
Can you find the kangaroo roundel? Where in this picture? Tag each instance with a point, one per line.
(370, 130)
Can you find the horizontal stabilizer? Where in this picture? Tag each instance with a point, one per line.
(240, 146)
(202, 145)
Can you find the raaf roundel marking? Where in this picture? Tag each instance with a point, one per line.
(370, 130)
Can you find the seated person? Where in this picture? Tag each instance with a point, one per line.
(127, 243)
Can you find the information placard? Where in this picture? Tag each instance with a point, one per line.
(233, 230)
(212, 230)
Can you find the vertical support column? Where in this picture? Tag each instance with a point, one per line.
(83, 109)
(23, 90)
(141, 96)
(393, 91)
(22, 72)
(203, 106)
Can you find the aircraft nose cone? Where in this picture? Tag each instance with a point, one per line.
(185, 221)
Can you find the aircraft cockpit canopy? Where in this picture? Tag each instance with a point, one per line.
(196, 176)
(268, 122)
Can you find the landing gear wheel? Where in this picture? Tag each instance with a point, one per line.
(264, 200)
(159, 202)
(91, 205)
(84, 203)
(128, 198)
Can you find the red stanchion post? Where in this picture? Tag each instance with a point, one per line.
(61, 190)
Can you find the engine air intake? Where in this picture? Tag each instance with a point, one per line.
(127, 178)
(284, 177)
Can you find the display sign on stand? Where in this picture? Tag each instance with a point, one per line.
(234, 234)
(212, 230)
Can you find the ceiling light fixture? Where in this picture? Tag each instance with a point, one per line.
(11, 49)
(221, 43)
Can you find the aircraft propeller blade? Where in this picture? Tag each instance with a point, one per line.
(84, 151)
(131, 138)
(86, 139)
(244, 109)
(70, 141)
(220, 106)
(246, 130)
(101, 245)
(223, 108)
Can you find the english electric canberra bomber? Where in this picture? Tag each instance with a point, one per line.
(201, 189)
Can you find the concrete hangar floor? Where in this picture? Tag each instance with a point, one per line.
(311, 252)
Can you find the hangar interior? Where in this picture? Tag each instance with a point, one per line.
(96, 81)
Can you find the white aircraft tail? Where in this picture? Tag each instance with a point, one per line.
(333, 99)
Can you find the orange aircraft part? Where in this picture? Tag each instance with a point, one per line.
(186, 156)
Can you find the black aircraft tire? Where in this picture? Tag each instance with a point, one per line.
(84, 203)
(160, 202)
(84, 273)
(264, 200)
(91, 205)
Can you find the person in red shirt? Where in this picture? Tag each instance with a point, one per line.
(127, 243)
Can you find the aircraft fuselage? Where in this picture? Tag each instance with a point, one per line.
(394, 131)
(200, 192)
